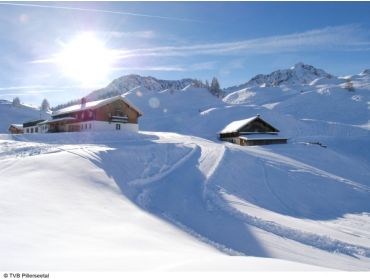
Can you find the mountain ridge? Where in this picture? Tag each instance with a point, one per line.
(128, 82)
(299, 74)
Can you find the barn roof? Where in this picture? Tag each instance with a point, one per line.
(236, 125)
(94, 105)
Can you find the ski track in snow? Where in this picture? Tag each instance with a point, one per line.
(320, 242)
(210, 159)
(162, 174)
(301, 167)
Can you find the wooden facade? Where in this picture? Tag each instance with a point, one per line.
(257, 142)
(15, 129)
(117, 109)
(104, 113)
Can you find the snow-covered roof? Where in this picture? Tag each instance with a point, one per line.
(236, 125)
(59, 120)
(94, 105)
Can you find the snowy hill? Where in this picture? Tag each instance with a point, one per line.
(17, 114)
(164, 201)
(175, 197)
(172, 110)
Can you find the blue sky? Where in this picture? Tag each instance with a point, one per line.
(172, 40)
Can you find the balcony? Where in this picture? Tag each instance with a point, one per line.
(119, 119)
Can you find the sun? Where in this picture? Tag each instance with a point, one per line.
(85, 59)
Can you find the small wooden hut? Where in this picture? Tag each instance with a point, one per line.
(250, 132)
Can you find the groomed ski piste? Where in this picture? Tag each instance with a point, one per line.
(174, 197)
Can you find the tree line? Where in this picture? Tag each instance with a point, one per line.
(45, 105)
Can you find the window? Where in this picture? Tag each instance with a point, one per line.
(82, 126)
(85, 125)
(27, 130)
(89, 125)
(90, 114)
(32, 130)
(36, 129)
(118, 126)
(82, 115)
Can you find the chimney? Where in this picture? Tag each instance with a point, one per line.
(83, 102)
(258, 115)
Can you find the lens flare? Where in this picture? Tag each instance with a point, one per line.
(154, 102)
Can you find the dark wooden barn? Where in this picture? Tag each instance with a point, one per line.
(250, 132)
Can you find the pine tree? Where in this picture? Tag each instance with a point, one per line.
(16, 101)
(215, 88)
(207, 84)
(45, 105)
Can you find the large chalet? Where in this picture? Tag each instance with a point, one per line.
(115, 113)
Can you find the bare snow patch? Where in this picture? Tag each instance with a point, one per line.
(238, 97)
(271, 105)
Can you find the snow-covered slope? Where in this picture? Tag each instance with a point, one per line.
(157, 199)
(173, 110)
(112, 206)
(164, 201)
(17, 114)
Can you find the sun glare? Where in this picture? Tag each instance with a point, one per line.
(86, 59)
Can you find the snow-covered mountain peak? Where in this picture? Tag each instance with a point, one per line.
(129, 82)
(298, 65)
(299, 74)
(306, 69)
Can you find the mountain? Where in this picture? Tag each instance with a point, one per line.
(10, 114)
(129, 82)
(300, 74)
